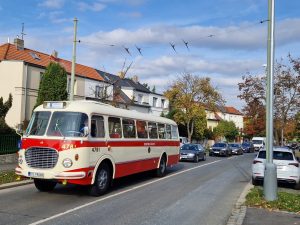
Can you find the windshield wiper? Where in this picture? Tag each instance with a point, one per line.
(57, 127)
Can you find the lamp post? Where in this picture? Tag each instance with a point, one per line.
(270, 175)
(73, 61)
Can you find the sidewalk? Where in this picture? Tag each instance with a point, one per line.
(256, 216)
(243, 215)
(8, 166)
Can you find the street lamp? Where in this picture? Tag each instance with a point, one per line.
(270, 175)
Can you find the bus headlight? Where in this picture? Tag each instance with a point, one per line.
(67, 163)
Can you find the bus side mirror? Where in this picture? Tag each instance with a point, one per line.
(19, 129)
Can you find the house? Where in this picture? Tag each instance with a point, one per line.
(131, 94)
(20, 73)
(227, 113)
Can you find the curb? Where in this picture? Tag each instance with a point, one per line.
(239, 210)
(15, 184)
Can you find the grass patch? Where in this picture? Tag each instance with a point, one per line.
(286, 201)
(7, 177)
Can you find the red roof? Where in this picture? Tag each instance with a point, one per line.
(232, 110)
(10, 52)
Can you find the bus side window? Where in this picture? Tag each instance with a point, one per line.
(114, 125)
(141, 129)
(174, 132)
(152, 128)
(97, 127)
(161, 131)
(168, 131)
(128, 128)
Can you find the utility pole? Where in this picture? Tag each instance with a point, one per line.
(270, 176)
(71, 97)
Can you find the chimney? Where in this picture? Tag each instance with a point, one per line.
(135, 78)
(19, 43)
(121, 74)
(54, 54)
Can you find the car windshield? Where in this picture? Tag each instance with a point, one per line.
(68, 124)
(189, 147)
(222, 145)
(257, 141)
(38, 123)
(277, 155)
(234, 145)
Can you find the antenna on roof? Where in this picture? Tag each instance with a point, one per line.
(22, 33)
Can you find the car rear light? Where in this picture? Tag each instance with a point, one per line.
(256, 161)
(294, 164)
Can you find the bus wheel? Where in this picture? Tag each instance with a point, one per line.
(44, 185)
(161, 170)
(102, 181)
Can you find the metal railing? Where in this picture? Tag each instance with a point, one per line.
(9, 143)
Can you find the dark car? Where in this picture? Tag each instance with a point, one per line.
(236, 148)
(248, 147)
(220, 149)
(192, 152)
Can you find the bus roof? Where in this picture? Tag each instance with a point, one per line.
(89, 107)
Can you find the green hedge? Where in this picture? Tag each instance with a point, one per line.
(9, 143)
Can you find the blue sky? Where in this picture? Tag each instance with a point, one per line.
(225, 38)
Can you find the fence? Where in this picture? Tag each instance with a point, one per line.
(9, 143)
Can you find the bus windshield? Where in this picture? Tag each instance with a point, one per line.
(68, 124)
(38, 123)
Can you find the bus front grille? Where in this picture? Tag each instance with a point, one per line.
(43, 158)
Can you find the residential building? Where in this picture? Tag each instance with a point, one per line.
(133, 95)
(227, 113)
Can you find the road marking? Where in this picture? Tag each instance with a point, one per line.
(120, 193)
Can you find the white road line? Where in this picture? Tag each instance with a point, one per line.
(120, 193)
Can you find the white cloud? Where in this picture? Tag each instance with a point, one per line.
(52, 4)
(243, 37)
(56, 17)
(96, 6)
(132, 15)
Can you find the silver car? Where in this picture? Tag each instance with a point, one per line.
(192, 152)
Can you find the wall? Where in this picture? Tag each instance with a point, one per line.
(11, 81)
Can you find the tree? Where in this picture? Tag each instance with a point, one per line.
(4, 107)
(226, 129)
(53, 85)
(188, 95)
(286, 97)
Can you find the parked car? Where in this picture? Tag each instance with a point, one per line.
(288, 170)
(247, 147)
(192, 152)
(236, 148)
(220, 149)
(259, 143)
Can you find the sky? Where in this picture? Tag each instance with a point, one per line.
(225, 38)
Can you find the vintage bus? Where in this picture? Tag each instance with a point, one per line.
(92, 143)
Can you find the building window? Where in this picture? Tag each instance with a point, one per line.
(154, 102)
(140, 98)
(163, 103)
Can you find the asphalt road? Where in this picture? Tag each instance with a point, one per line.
(192, 193)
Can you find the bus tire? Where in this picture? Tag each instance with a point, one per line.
(102, 180)
(161, 170)
(44, 185)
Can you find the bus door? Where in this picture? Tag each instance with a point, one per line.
(97, 139)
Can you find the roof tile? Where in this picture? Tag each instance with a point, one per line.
(10, 52)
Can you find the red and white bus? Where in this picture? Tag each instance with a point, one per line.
(91, 143)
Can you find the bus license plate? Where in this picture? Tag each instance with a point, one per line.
(35, 174)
